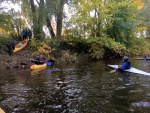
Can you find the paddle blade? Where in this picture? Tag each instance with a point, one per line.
(112, 71)
(48, 63)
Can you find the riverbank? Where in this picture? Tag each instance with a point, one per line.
(21, 59)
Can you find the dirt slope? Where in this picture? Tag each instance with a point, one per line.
(21, 59)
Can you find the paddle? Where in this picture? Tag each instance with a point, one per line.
(48, 63)
(112, 71)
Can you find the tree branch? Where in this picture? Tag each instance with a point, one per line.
(38, 2)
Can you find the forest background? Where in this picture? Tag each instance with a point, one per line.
(93, 28)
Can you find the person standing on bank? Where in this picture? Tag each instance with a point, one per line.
(29, 34)
(10, 46)
(24, 34)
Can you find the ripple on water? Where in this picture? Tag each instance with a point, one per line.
(145, 85)
(120, 88)
(128, 84)
(136, 91)
(141, 104)
(13, 101)
(74, 89)
(148, 94)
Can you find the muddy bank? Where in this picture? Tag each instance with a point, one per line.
(21, 59)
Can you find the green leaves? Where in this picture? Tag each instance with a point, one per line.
(99, 47)
(113, 18)
(5, 24)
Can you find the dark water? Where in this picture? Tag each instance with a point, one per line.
(84, 87)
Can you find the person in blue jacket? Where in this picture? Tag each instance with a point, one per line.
(24, 34)
(126, 64)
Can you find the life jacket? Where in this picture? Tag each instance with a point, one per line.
(125, 65)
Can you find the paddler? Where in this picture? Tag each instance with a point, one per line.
(40, 59)
(125, 64)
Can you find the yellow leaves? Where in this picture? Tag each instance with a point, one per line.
(44, 48)
(1, 30)
(5, 25)
(142, 28)
(139, 4)
(139, 22)
(41, 48)
(5, 33)
(66, 33)
(82, 1)
(24, 23)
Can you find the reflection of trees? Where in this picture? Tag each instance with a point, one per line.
(126, 77)
(12, 90)
(7, 77)
(95, 90)
(47, 95)
(121, 100)
(2, 83)
(126, 96)
(81, 88)
(37, 93)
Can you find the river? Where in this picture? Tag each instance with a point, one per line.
(84, 87)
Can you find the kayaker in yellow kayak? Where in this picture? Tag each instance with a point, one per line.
(40, 59)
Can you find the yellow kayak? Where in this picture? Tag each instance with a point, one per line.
(36, 67)
(36, 71)
(1, 111)
(21, 45)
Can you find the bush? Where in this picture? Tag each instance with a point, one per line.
(3, 41)
(104, 47)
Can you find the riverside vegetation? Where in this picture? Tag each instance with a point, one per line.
(72, 49)
(112, 30)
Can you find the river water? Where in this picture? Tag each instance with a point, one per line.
(85, 87)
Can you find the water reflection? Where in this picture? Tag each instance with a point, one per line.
(75, 88)
(126, 78)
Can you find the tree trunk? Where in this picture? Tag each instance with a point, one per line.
(34, 18)
(50, 27)
(59, 19)
(98, 26)
(40, 19)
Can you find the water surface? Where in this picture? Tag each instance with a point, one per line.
(85, 87)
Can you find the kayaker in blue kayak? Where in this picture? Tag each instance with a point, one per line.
(126, 64)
